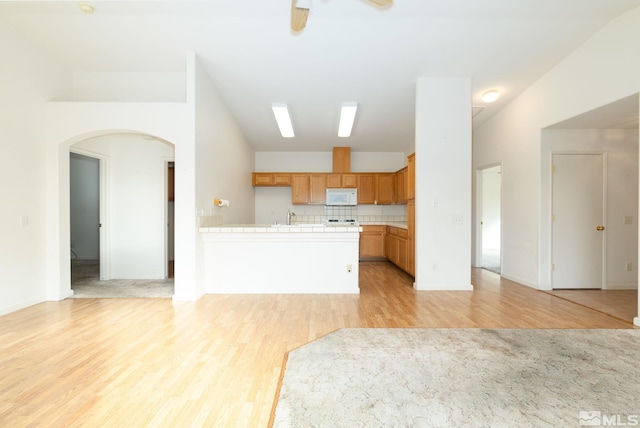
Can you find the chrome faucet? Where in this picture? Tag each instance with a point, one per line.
(289, 215)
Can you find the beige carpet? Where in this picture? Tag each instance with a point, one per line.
(462, 377)
(86, 283)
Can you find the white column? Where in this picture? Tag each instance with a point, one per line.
(443, 184)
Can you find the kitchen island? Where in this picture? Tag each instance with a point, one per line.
(268, 259)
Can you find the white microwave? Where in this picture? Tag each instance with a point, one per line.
(342, 197)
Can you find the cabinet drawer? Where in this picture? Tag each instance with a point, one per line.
(403, 233)
(373, 228)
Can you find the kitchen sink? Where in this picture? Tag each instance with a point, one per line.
(300, 225)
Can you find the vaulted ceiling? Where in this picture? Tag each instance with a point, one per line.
(350, 50)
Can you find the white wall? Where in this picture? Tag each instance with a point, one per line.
(71, 122)
(224, 158)
(443, 184)
(621, 148)
(84, 180)
(29, 77)
(604, 69)
(137, 203)
(224, 161)
(129, 87)
(272, 203)
(323, 161)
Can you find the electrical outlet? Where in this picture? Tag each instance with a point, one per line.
(434, 267)
(629, 267)
(349, 268)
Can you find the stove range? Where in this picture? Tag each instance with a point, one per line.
(347, 221)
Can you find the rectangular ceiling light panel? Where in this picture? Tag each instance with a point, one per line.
(281, 113)
(347, 116)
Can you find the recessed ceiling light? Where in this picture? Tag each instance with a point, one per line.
(347, 117)
(490, 96)
(281, 113)
(85, 8)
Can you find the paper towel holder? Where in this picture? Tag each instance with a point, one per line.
(221, 202)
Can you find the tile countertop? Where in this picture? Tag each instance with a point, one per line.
(398, 224)
(300, 227)
(281, 228)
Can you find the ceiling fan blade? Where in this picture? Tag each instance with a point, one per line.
(298, 17)
(381, 3)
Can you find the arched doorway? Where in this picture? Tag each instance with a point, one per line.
(134, 218)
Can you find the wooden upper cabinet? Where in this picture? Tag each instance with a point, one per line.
(334, 181)
(317, 188)
(401, 186)
(341, 159)
(300, 188)
(171, 181)
(349, 180)
(366, 188)
(411, 176)
(271, 179)
(341, 181)
(386, 188)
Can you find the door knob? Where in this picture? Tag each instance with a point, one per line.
(600, 228)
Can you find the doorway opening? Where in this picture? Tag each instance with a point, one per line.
(170, 218)
(489, 234)
(131, 186)
(84, 199)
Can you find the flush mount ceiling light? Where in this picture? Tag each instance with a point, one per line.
(281, 113)
(347, 116)
(85, 8)
(490, 96)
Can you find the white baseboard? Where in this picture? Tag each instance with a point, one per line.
(520, 281)
(622, 286)
(25, 304)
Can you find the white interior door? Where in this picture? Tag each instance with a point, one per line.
(578, 221)
(491, 218)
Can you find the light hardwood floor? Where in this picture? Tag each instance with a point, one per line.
(217, 361)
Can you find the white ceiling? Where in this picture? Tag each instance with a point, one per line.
(349, 51)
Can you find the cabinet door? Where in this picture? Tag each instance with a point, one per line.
(385, 188)
(300, 188)
(402, 253)
(411, 176)
(334, 181)
(317, 188)
(366, 188)
(411, 237)
(401, 186)
(281, 179)
(349, 180)
(372, 242)
(262, 179)
(392, 244)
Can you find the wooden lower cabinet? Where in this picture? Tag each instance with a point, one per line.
(411, 239)
(392, 243)
(372, 242)
(397, 246)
